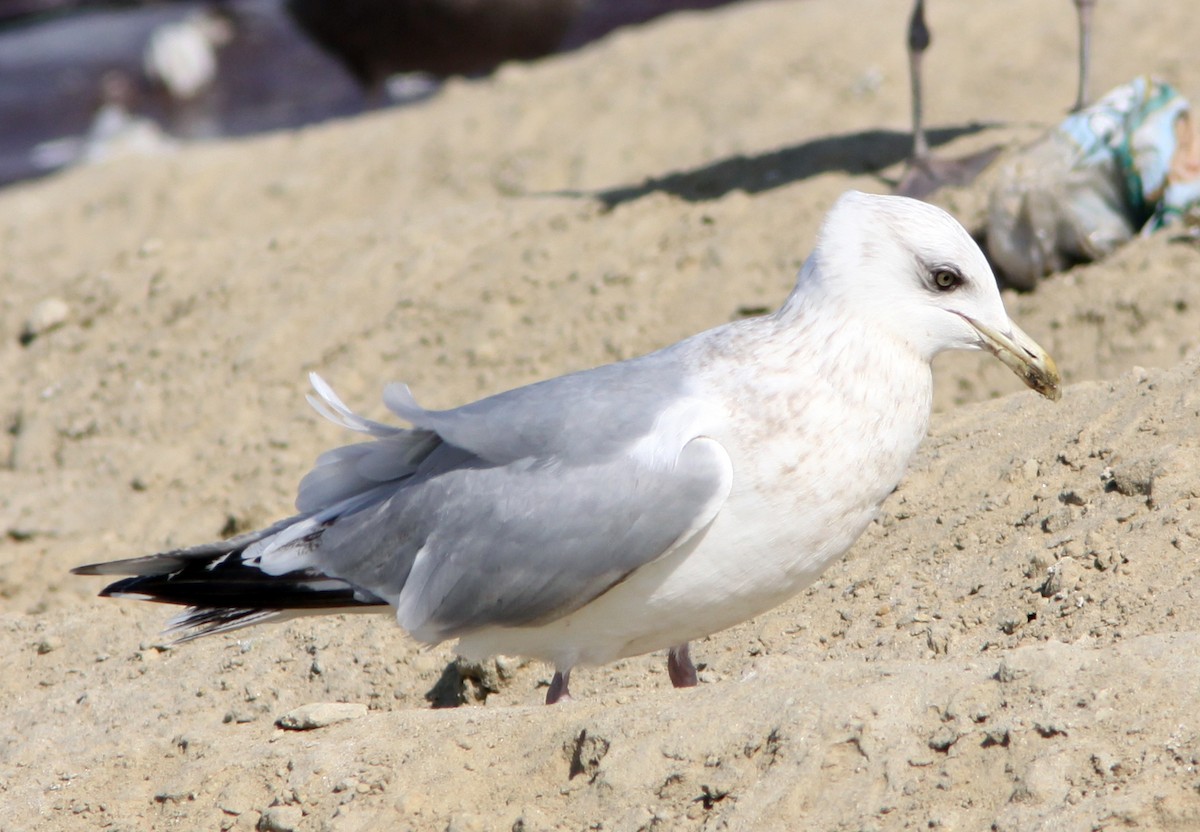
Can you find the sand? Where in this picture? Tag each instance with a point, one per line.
(1012, 646)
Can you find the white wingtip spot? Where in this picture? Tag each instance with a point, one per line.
(331, 407)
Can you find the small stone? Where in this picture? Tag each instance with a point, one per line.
(507, 666)
(1047, 779)
(48, 315)
(1071, 498)
(344, 820)
(240, 717)
(1063, 577)
(320, 714)
(464, 681)
(1005, 673)
(943, 738)
(1011, 619)
(772, 635)
(409, 803)
(1039, 562)
(175, 793)
(234, 801)
(1133, 479)
(281, 819)
(1058, 521)
(48, 645)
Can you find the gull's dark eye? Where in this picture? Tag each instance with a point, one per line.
(946, 278)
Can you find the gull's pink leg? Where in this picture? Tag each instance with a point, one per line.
(557, 692)
(680, 667)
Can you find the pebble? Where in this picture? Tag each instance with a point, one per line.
(409, 803)
(320, 714)
(281, 819)
(48, 645)
(1061, 578)
(49, 314)
(174, 793)
(239, 716)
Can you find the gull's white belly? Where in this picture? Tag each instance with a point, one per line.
(718, 580)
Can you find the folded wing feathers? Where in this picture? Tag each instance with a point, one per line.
(208, 622)
(269, 574)
(351, 470)
(167, 562)
(329, 405)
(272, 573)
(231, 590)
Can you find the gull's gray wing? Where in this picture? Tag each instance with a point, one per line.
(520, 508)
(582, 416)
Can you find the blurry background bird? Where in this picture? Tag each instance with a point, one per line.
(236, 67)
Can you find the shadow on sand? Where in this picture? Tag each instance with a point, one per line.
(865, 152)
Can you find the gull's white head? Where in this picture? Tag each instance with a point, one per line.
(917, 274)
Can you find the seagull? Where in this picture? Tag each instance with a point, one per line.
(635, 506)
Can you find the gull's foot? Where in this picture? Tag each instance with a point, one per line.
(680, 667)
(557, 692)
(924, 176)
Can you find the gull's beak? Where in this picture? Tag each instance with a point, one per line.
(1023, 356)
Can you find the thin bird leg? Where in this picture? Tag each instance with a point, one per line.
(926, 173)
(680, 667)
(1084, 7)
(557, 692)
(918, 41)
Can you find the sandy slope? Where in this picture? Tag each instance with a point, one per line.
(1013, 644)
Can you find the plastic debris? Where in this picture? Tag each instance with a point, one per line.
(1129, 163)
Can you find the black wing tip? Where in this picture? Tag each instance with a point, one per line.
(197, 622)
